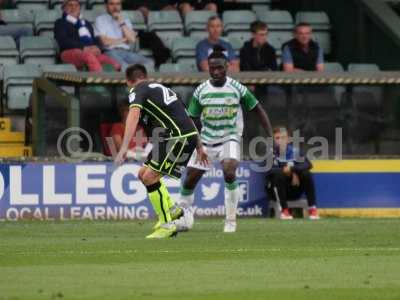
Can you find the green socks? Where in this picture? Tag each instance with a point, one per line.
(160, 200)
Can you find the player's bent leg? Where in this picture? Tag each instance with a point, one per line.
(231, 193)
(158, 195)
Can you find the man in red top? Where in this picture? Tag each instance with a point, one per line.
(118, 129)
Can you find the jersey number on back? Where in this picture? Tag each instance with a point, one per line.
(169, 95)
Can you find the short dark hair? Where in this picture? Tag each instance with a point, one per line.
(218, 53)
(257, 26)
(301, 24)
(213, 18)
(136, 71)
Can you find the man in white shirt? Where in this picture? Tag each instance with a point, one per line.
(117, 36)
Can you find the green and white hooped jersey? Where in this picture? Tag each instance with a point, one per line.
(219, 109)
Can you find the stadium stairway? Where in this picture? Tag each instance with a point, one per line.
(12, 143)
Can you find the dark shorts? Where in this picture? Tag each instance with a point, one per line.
(169, 157)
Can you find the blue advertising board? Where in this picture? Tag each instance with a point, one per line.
(101, 191)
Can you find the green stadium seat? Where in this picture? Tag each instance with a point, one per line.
(169, 36)
(277, 39)
(44, 21)
(239, 36)
(277, 20)
(319, 20)
(333, 67)
(260, 7)
(59, 68)
(323, 38)
(17, 84)
(237, 20)
(197, 20)
(355, 67)
(91, 15)
(38, 50)
(137, 19)
(164, 21)
(32, 5)
(17, 17)
(8, 51)
(179, 67)
(184, 47)
(199, 34)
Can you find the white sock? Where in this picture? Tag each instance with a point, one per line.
(231, 200)
(186, 198)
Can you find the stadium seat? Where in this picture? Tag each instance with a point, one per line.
(17, 17)
(91, 15)
(260, 7)
(355, 67)
(241, 36)
(277, 20)
(277, 39)
(164, 21)
(184, 48)
(333, 67)
(178, 67)
(199, 34)
(323, 38)
(237, 20)
(8, 51)
(136, 18)
(39, 50)
(44, 21)
(319, 20)
(169, 36)
(197, 20)
(17, 84)
(31, 5)
(237, 39)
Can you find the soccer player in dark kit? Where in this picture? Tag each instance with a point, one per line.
(161, 112)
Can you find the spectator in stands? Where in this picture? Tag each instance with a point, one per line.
(257, 54)
(117, 35)
(118, 130)
(290, 176)
(302, 53)
(16, 31)
(205, 47)
(77, 42)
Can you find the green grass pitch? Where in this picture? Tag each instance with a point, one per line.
(265, 259)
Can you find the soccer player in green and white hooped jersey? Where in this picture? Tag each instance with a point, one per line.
(218, 104)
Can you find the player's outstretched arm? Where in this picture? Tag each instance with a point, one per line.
(130, 128)
(264, 119)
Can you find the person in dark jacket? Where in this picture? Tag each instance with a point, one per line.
(290, 175)
(257, 54)
(77, 42)
(302, 53)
